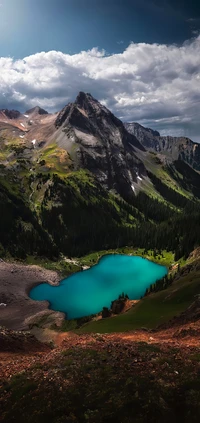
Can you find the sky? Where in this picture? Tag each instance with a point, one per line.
(141, 58)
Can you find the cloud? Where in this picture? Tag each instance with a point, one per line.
(195, 32)
(192, 20)
(156, 85)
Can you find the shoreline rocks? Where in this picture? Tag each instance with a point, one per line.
(16, 281)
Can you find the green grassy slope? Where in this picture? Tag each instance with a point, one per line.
(166, 173)
(179, 177)
(20, 230)
(154, 309)
(166, 258)
(81, 217)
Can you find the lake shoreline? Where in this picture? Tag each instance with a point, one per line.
(16, 281)
(115, 277)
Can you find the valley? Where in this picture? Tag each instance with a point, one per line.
(83, 156)
(76, 186)
(79, 181)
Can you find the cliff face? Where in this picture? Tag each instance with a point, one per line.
(175, 148)
(99, 142)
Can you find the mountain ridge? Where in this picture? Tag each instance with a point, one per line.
(83, 156)
(36, 110)
(174, 148)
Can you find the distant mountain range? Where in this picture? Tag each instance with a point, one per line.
(174, 148)
(81, 179)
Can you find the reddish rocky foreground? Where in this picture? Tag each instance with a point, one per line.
(151, 375)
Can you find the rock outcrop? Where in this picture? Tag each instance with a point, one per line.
(10, 114)
(117, 306)
(14, 342)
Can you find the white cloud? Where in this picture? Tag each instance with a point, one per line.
(157, 85)
(193, 20)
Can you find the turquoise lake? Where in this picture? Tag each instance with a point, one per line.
(87, 292)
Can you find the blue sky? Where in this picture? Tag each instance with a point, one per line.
(140, 57)
(28, 26)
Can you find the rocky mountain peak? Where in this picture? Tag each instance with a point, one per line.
(83, 98)
(88, 115)
(135, 128)
(36, 110)
(85, 107)
(11, 114)
(92, 108)
(100, 143)
(153, 132)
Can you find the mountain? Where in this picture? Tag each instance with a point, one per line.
(145, 135)
(36, 111)
(86, 183)
(173, 148)
(74, 186)
(93, 137)
(9, 114)
(98, 141)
